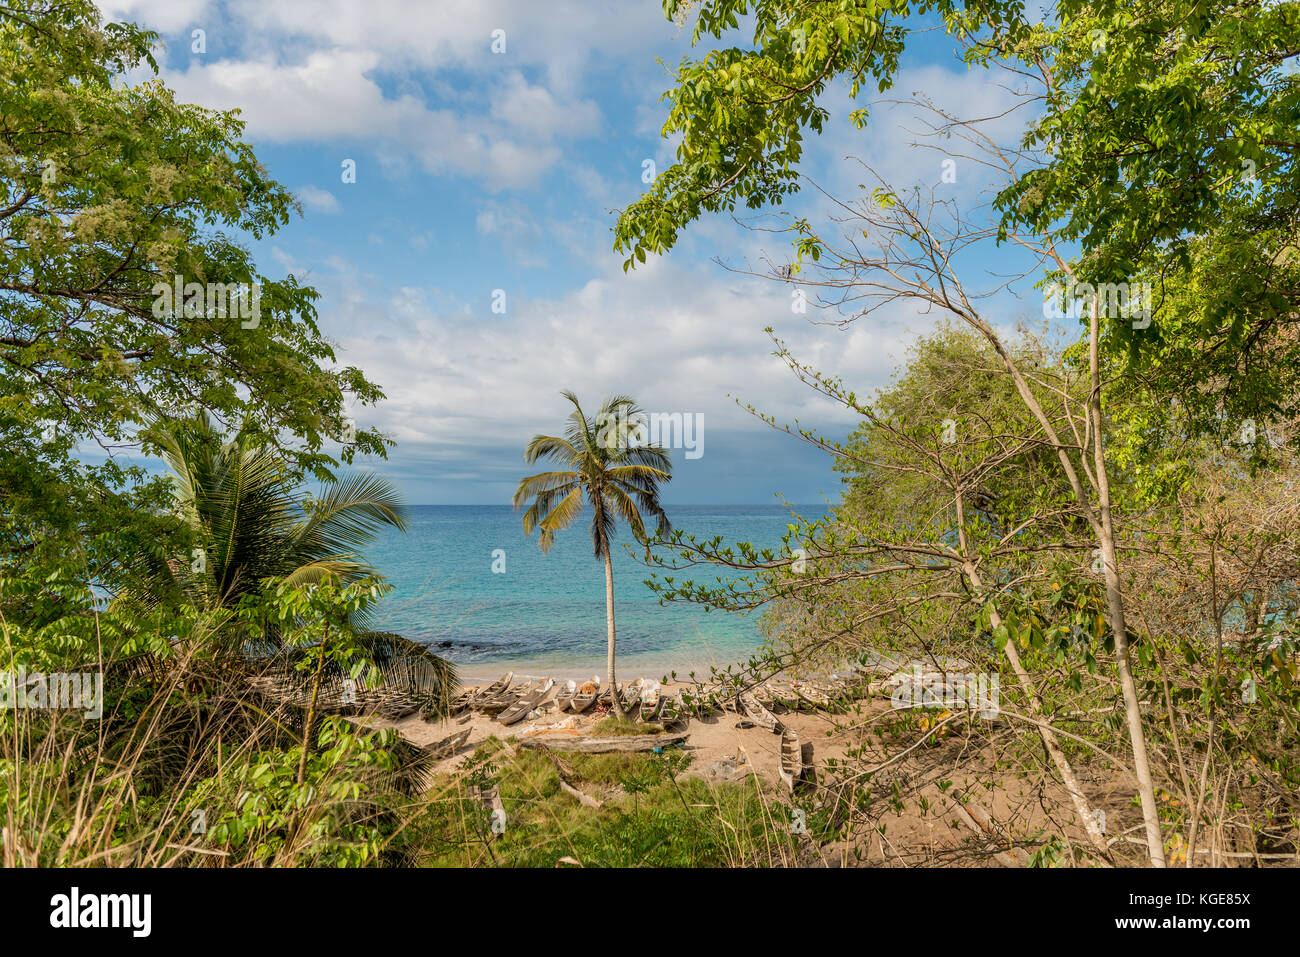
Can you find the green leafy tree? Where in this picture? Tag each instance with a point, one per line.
(1187, 171)
(1184, 179)
(736, 111)
(954, 538)
(741, 111)
(320, 622)
(112, 192)
(605, 464)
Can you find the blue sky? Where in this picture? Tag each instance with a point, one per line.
(479, 171)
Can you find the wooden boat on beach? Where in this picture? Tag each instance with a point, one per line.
(671, 710)
(748, 705)
(701, 701)
(497, 693)
(774, 694)
(517, 711)
(448, 745)
(815, 698)
(496, 705)
(513, 696)
(650, 709)
(464, 700)
(498, 686)
(791, 758)
(582, 700)
(651, 700)
(564, 699)
(507, 698)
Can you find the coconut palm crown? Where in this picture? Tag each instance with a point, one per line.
(253, 522)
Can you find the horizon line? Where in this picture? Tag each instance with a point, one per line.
(666, 505)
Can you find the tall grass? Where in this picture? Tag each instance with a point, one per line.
(188, 765)
(651, 815)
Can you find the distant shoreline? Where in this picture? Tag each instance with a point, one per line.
(482, 672)
(668, 506)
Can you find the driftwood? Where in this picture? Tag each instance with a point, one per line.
(630, 742)
(584, 799)
(981, 822)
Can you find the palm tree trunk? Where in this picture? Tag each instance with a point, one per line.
(609, 647)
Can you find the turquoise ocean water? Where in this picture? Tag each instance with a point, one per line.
(546, 613)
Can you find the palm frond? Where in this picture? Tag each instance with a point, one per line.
(544, 483)
(559, 517)
(347, 516)
(552, 446)
(410, 666)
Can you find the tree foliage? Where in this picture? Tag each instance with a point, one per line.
(110, 191)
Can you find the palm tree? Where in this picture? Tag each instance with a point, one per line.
(619, 479)
(252, 521)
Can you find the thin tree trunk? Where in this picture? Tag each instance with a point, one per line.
(609, 625)
(1115, 604)
(1194, 831)
(308, 725)
(1050, 742)
(1103, 529)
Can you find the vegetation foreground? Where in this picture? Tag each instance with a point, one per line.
(1096, 518)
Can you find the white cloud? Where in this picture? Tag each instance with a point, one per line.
(409, 88)
(319, 200)
(333, 96)
(534, 112)
(678, 338)
(165, 16)
(389, 74)
(519, 234)
(560, 36)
